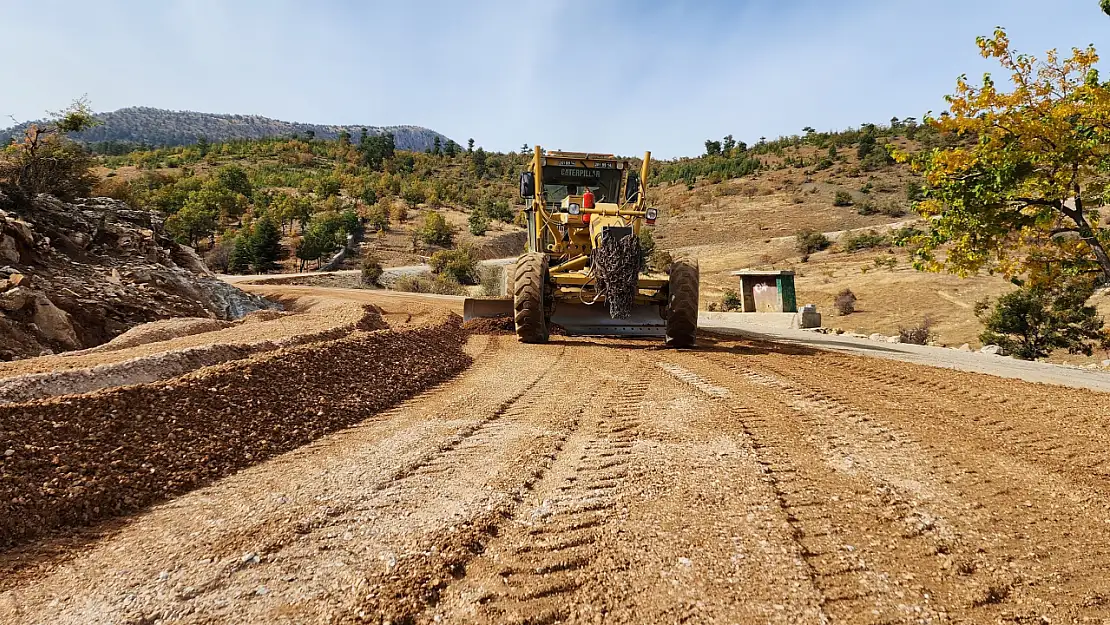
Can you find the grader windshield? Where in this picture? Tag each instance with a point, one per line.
(559, 182)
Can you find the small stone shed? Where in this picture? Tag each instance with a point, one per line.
(767, 291)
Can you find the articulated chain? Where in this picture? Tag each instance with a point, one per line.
(617, 262)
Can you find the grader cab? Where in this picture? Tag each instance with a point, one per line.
(583, 268)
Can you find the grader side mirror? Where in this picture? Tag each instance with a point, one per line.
(527, 184)
(632, 193)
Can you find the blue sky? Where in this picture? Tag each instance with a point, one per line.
(507, 73)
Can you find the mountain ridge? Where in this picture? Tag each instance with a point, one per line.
(164, 127)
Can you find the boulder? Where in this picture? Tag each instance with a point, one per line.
(993, 350)
(19, 279)
(54, 323)
(16, 299)
(894, 339)
(9, 250)
(878, 337)
(21, 230)
(964, 348)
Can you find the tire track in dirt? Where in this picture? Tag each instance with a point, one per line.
(1044, 526)
(997, 550)
(850, 586)
(527, 573)
(1063, 427)
(209, 589)
(609, 533)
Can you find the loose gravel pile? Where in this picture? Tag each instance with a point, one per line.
(74, 460)
(491, 325)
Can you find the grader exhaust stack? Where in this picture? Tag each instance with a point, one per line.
(583, 268)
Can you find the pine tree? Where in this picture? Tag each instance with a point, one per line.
(265, 245)
(239, 260)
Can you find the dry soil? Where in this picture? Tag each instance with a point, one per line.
(611, 481)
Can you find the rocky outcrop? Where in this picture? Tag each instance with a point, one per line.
(77, 275)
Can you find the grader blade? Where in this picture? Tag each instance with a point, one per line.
(476, 308)
(581, 319)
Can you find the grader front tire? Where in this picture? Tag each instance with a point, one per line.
(529, 277)
(682, 305)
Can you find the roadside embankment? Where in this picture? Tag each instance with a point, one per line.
(73, 460)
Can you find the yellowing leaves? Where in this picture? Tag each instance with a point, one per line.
(1011, 192)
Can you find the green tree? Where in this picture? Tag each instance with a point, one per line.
(727, 145)
(478, 159)
(1018, 194)
(371, 269)
(470, 145)
(451, 149)
(477, 222)
(234, 178)
(437, 146)
(377, 216)
(195, 221)
(239, 260)
(434, 229)
(712, 148)
(1036, 320)
(377, 149)
(460, 264)
(46, 161)
(265, 245)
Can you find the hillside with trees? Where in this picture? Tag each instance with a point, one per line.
(123, 130)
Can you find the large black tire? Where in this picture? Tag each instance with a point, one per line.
(682, 304)
(529, 279)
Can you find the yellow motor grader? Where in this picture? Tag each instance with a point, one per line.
(583, 268)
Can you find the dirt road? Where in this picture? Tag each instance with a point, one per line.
(609, 481)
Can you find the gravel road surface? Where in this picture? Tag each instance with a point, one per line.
(611, 481)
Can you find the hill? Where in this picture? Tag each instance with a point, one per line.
(139, 125)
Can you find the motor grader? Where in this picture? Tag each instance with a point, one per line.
(583, 267)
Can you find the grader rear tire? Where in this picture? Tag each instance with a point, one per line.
(529, 278)
(682, 304)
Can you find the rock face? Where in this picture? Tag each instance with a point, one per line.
(77, 275)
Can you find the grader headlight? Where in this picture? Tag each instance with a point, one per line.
(651, 215)
(574, 209)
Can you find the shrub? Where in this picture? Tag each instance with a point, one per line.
(866, 188)
(477, 222)
(398, 211)
(434, 230)
(219, 255)
(845, 302)
(731, 301)
(371, 269)
(1034, 321)
(867, 207)
(914, 191)
(842, 198)
(424, 283)
(647, 246)
(501, 211)
(919, 334)
(660, 260)
(893, 209)
(492, 280)
(863, 241)
(377, 217)
(889, 262)
(460, 264)
(810, 241)
(46, 161)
